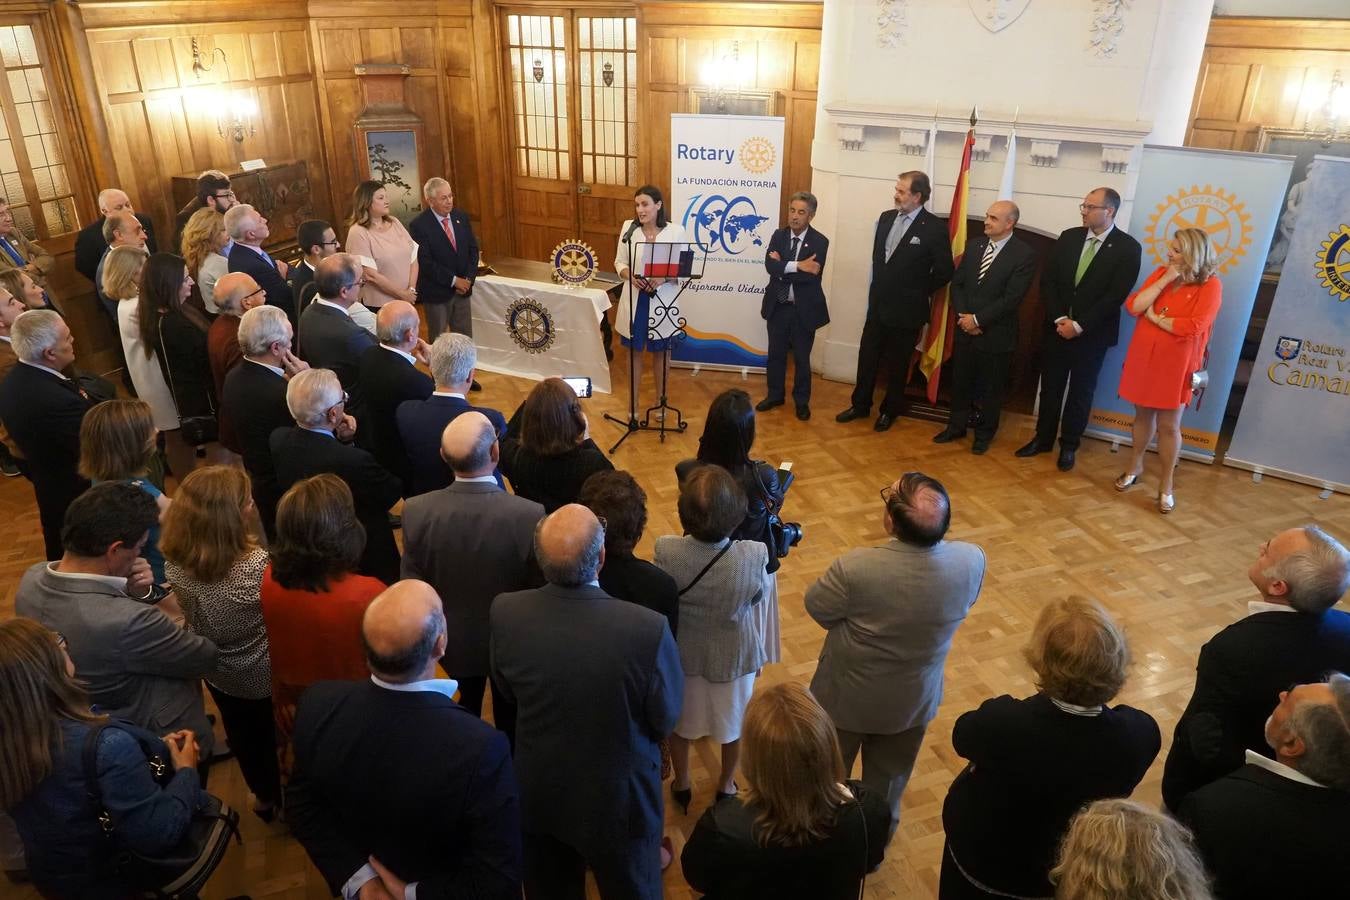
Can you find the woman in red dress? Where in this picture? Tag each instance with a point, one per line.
(1176, 308)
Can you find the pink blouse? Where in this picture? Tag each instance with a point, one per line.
(391, 252)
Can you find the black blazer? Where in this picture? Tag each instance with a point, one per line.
(89, 244)
(807, 294)
(439, 264)
(1238, 680)
(995, 300)
(43, 413)
(1262, 835)
(724, 858)
(1096, 301)
(254, 399)
(597, 683)
(297, 454)
(247, 260)
(301, 276)
(444, 811)
(551, 480)
(903, 286)
(625, 577)
(387, 380)
(420, 426)
(331, 340)
(183, 358)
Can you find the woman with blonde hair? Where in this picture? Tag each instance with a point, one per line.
(204, 242)
(122, 269)
(387, 252)
(798, 828)
(1034, 762)
(1123, 850)
(21, 285)
(47, 721)
(1176, 308)
(216, 567)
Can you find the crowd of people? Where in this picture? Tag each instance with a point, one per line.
(351, 676)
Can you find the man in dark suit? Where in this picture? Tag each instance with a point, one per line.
(794, 304)
(447, 261)
(422, 422)
(1277, 828)
(598, 684)
(90, 244)
(1088, 276)
(471, 541)
(329, 339)
(1290, 636)
(213, 190)
(986, 292)
(320, 443)
(442, 815)
(317, 241)
(911, 260)
(389, 376)
(248, 229)
(254, 399)
(120, 229)
(43, 409)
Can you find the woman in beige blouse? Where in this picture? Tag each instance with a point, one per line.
(384, 247)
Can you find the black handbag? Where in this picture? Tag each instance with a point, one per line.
(183, 870)
(196, 430)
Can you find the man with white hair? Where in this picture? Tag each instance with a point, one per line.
(253, 400)
(43, 410)
(328, 336)
(11, 308)
(421, 422)
(90, 243)
(320, 443)
(248, 229)
(1290, 636)
(389, 376)
(447, 260)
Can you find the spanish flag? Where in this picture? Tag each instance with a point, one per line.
(937, 340)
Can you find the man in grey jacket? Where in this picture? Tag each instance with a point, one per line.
(891, 612)
(137, 664)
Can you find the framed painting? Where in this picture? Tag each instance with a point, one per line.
(391, 156)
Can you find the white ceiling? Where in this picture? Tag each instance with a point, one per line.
(1284, 9)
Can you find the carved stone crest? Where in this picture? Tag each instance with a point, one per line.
(997, 15)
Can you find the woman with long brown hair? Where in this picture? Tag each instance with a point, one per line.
(177, 331)
(547, 451)
(387, 252)
(21, 285)
(122, 269)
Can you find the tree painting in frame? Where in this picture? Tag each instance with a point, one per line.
(391, 158)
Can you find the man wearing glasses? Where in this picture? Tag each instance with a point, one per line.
(213, 190)
(1090, 272)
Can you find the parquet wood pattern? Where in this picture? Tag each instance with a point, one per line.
(1173, 581)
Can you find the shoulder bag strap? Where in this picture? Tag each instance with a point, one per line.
(89, 761)
(712, 562)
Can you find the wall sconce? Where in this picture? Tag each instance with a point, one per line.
(727, 76)
(236, 116)
(1334, 111)
(199, 67)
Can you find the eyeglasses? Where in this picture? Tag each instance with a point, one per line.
(262, 291)
(223, 196)
(60, 640)
(1089, 206)
(887, 493)
(332, 243)
(360, 282)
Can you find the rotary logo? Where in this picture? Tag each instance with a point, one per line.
(757, 155)
(574, 263)
(530, 325)
(1215, 211)
(1333, 263)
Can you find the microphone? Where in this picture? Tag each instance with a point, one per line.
(629, 233)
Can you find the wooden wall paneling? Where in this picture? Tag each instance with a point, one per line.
(494, 216)
(379, 45)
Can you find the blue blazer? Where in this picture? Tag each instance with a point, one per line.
(807, 294)
(439, 264)
(420, 425)
(246, 260)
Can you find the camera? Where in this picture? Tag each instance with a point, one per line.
(784, 535)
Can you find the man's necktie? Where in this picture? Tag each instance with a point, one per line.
(898, 229)
(987, 260)
(13, 252)
(785, 294)
(450, 233)
(1085, 260)
(795, 242)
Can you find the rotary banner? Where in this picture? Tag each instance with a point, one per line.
(726, 177)
(1295, 420)
(1236, 199)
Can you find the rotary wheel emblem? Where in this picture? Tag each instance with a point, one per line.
(757, 155)
(1333, 263)
(1213, 210)
(574, 263)
(530, 325)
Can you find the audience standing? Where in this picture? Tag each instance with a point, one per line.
(619, 501)
(120, 230)
(177, 331)
(327, 333)
(90, 244)
(121, 282)
(204, 242)
(547, 451)
(248, 229)
(21, 285)
(447, 260)
(18, 252)
(317, 240)
(213, 192)
(387, 253)
(388, 377)
(11, 307)
(236, 293)
(1123, 850)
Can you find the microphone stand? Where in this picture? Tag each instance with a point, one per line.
(631, 424)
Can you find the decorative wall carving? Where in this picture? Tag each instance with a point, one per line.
(1108, 21)
(1115, 158)
(1044, 153)
(981, 148)
(851, 136)
(997, 15)
(913, 141)
(892, 22)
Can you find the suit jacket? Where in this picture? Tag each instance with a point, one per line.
(470, 541)
(331, 340)
(439, 264)
(807, 294)
(903, 286)
(137, 664)
(597, 684)
(1263, 835)
(248, 260)
(1238, 680)
(7, 363)
(298, 453)
(43, 261)
(445, 813)
(387, 379)
(890, 613)
(301, 276)
(254, 401)
(1094, 303)
(89, 244)
(420, 426)
(42, 413)
(995, 299)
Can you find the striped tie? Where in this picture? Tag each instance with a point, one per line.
(987, 260)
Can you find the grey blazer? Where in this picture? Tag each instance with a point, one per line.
(138, 665)
(721, 638)
(890, 613)
(470, 541)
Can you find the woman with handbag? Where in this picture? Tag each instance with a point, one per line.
(178, 333)
(148, 786)
(1176, 308)
(721, 583)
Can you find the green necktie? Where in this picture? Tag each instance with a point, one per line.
(1089, 251)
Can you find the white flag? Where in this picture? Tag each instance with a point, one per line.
(1005, 188)
(930, 160)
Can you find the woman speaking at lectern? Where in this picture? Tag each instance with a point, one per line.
(648, 225)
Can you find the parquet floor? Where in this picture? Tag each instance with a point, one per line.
(1173, 581)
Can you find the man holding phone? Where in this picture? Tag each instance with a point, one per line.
(794, 303)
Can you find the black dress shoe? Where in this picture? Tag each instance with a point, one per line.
(682, 796)
(766, 404)
(947, 435)
(883, 422)
(1031, 448)
(803, 411)
(852, 413)
(1065, 462)
(475, 386)
(980, 446)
